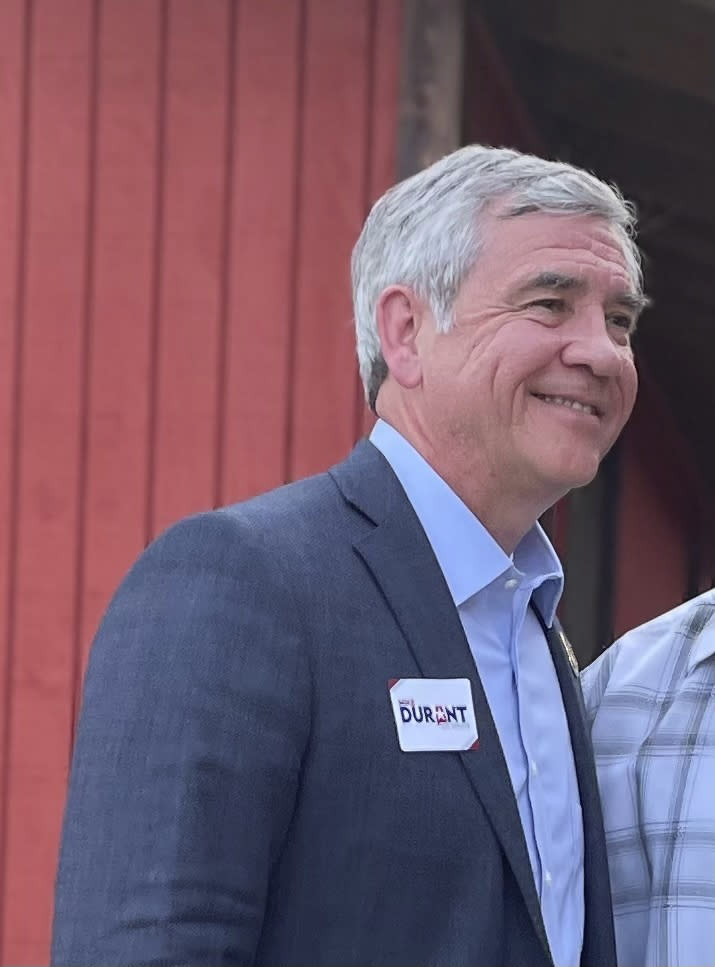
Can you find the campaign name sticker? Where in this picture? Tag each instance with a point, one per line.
(434, 714)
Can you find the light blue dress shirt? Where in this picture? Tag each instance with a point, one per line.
(492, 592)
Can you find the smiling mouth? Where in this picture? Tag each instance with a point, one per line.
(569, 403)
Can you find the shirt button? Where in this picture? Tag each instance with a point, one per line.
(547, 878)
(534, 768)
(511, 584)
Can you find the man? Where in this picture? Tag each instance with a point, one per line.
(651, 699)
(337, 724)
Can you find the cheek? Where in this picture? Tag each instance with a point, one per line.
(535, 353)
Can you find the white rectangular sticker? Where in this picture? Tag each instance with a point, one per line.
(434, 714)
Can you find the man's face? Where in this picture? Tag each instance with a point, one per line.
(535, 380)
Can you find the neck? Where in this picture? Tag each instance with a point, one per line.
(507, 511)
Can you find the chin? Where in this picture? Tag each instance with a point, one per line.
(571, 474)
(581, 476)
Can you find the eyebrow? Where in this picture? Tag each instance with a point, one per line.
(557, 281)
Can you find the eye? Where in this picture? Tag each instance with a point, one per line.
(621, 322)
(553, 305)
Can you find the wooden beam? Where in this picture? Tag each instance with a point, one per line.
(611, 101)
(590, 561)
(664, 42)
(430, 109)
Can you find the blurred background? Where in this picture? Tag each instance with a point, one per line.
(181, 183)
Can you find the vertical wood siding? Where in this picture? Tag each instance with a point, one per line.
(181, 182)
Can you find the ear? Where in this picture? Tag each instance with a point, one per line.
(398, 315)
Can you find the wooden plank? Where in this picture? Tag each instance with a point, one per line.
(383, 107)
(12, 211)
(188, 347)
(384, 85)
(114, 506)
(259, 306)
(53, 294)
(588, 555)
(430, 112)
(332, 208)
(669, 44)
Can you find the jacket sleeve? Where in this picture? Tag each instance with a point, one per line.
(195, 716)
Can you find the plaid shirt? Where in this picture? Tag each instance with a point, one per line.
(650, 700)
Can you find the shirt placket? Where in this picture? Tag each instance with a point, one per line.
(521, 593)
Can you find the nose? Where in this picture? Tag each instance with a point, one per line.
(590, 342)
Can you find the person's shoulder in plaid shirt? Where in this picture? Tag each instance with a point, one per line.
(650, 703)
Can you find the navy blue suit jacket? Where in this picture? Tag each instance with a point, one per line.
(238, 795)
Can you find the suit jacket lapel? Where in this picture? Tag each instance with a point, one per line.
(402, 562)
(598, 935)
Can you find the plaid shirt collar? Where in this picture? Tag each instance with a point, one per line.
(704, 646)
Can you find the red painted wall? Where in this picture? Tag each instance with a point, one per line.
(181, 182)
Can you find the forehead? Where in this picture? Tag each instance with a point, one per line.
(582, 245)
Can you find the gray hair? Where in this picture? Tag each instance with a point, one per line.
(425, 232)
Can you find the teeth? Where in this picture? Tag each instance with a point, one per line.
(572, 404)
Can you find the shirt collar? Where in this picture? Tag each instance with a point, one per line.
(704, 645)
(467, 554)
